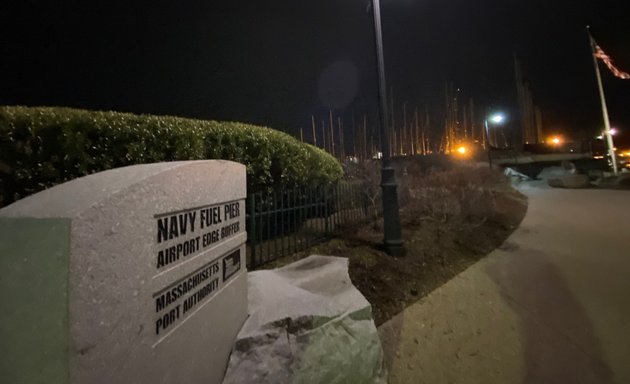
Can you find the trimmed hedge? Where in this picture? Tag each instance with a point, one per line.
(41, 147)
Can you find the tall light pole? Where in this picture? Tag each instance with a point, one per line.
(392, 234)
(497, 118)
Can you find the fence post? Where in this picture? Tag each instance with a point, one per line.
(252, 228)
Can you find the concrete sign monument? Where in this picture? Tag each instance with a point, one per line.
(133, 275)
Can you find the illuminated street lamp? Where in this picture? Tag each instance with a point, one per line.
(496, 118)
(391, 217)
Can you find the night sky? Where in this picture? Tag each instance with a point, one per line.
(277, 62)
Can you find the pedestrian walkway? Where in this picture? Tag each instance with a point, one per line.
(551, 305)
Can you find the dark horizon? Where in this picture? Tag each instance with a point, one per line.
(278, 64)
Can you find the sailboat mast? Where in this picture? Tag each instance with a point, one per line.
(314, 133)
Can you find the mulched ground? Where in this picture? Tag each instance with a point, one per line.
(436, 251)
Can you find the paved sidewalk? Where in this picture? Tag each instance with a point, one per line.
(552, 305)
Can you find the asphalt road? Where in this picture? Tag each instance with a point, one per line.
(552, 305)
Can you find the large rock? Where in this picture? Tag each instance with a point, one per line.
(623, 180)
(570, 181)
(576, 181)
(552, 173)
(307, 324)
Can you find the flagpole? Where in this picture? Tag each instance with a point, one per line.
(607, 132)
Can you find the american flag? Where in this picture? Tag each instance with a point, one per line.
(600, 54)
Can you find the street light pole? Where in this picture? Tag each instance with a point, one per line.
(497, 118)
(391, 227)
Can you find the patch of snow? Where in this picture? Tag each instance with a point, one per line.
(307, 324)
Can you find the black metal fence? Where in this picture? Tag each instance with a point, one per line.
(284, 222)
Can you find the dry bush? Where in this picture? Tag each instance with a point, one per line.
(464, 193)
(454, 193)
(369, 173)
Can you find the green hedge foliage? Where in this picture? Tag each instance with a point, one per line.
(41, 147)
